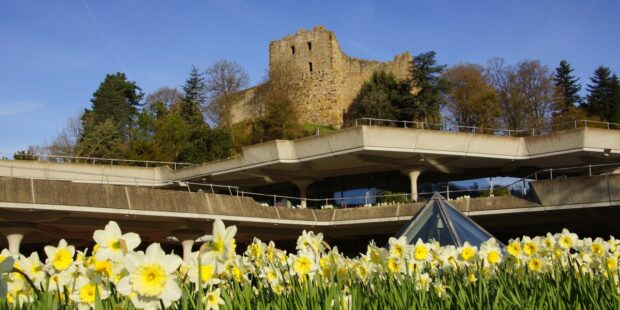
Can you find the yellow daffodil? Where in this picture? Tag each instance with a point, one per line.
(212, 300)
(151, 277)
(60, 258)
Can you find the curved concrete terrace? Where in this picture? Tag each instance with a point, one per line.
(357, 150)
(49, 210)
(365, 149)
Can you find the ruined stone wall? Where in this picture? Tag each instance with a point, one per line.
(242, 109)
(328, 79)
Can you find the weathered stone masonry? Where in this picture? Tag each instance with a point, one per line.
(329, 78)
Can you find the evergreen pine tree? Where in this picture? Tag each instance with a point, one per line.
(566, 88)
(194, 98)
(428, 84)
(604, 95)
(116, 99)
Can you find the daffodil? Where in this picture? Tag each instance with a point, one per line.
(490, 253)
(85, 292)
(514, 248)
(467, 252)
(222, 247)
(207, 270)
(398, 247)
(310, 242)
(303, 264)
(151, 278)
(212, 300)
(112, 242)
(422, 282)
(530, 247)
(420, 251)
(566, 239)
(535, 264)
(59, 258)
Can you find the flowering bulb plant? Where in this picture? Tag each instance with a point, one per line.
(553, 271)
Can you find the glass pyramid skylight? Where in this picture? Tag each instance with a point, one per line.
(439, 220)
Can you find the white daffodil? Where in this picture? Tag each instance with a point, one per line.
(467, 253)
(422, 281)
(567, 240)
(421, 251)
(490, 253)
(223, 244)
(59, 258)
(19, 291)
(33, 267)
(303, 264)
(212, 300)
(151, 278)
(85, 291)
(208, 270)
(398, 247)
(59, 281)
(271, 275)
(110, 241)
(308, 241)
(256, 251)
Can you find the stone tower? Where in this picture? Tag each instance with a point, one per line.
(328, 78)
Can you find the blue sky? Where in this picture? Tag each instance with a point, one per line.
(54, 54)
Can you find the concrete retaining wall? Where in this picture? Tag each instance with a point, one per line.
(603, 189)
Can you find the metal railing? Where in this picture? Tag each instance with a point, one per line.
(96, 160)
(519, 187)
(446, 126)
(452, 127)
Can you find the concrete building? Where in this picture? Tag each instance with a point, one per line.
(44, 201)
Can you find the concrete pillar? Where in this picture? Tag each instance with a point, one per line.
(187, 249)
(187, 237)
(15, 233)
(413, 174)
(15, 240)
(303, 185)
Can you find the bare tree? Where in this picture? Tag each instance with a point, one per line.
(525, 92)
(67, 138)
(167, 95)
(224, 80)
(536, 82)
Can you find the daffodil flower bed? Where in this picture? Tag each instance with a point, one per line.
(557, 271)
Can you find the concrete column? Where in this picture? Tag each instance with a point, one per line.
(303, 185)
(15, 233)
(413, 174)
(187, 237)
(187, 249)
(15, 240)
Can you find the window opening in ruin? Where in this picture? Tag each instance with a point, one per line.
(310, 66)
(309, 46)
(293, 49)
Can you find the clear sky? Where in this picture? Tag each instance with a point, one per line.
(54, 54)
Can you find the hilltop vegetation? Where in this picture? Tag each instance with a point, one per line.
(194, 124)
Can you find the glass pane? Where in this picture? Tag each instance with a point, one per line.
(465, 229)
(429, 225)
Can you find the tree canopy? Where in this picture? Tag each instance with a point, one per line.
(604, 95)
(470, 100)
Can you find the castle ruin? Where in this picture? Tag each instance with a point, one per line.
(329, 80)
